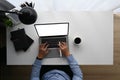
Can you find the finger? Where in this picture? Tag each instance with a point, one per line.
(63, 43)
(46, 47)
(40, 45)
(47, 51)
(45, 43)
(60, 45)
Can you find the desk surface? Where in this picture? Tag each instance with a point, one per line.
(94, 28)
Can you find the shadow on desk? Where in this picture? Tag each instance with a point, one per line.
(65, 68)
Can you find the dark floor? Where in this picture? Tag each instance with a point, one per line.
(12, 72)
(2, 44)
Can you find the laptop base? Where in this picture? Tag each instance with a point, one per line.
(53, 53)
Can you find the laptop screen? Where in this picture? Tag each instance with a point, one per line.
(52, 29)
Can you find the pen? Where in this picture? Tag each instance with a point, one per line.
(60, 51)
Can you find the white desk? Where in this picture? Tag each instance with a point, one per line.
(94, 28)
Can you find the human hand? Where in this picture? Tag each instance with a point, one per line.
(43, 50)
(64, 49)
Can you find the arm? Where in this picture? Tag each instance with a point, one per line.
(77, 74)
(37, 64)
(36, 70)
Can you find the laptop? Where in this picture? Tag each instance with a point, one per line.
(53, 33)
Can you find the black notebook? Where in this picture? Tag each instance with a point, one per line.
(20, 40)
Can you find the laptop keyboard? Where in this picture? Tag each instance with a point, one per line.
(53, 41)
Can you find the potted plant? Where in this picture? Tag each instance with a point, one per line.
(6, 21)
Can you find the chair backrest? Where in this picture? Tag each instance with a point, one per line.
(65, 68)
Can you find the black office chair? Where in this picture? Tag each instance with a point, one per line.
(65, 68)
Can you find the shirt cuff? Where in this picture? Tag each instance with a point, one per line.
(38, 58)
(71, 59)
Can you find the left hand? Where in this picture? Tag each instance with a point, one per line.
(43, 50)
(64, 49)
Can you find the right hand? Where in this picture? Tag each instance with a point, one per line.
(43, 50)
(64, 49)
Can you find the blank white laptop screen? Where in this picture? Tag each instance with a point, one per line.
(52, 29)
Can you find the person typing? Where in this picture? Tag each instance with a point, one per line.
(55, 74)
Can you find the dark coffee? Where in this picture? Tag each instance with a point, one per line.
(77, 40)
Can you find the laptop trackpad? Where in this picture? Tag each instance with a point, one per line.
(53, 53)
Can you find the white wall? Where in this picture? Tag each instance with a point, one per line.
(72, 5)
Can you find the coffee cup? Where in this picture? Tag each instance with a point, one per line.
(77, 40)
